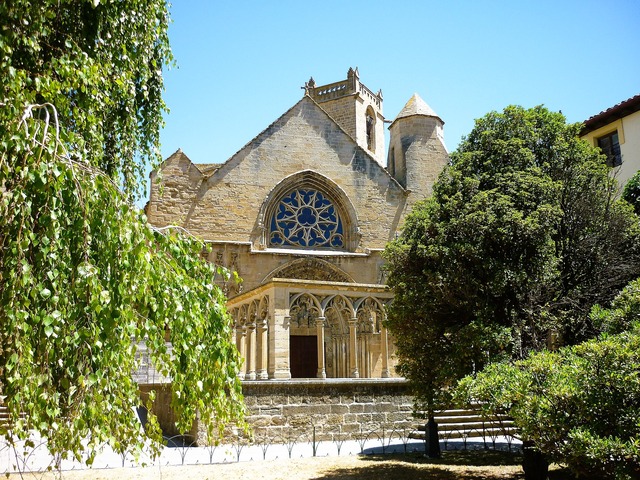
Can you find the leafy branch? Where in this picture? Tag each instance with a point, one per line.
(84, 281)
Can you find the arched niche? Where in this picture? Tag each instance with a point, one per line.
(310, 269)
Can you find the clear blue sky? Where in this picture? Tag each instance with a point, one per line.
(240, 64)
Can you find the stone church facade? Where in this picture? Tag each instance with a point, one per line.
(302, 213)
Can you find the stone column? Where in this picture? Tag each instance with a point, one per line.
(353, 348)
(251, 351)
(322, 373)
(384, 347)
(263, 351)
(242, 349)
(279, 339)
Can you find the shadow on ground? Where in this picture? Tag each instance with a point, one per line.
(460, 465)
(473, 458)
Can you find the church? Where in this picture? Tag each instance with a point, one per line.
(301, 214)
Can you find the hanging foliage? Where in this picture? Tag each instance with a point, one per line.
(100, 64)
(84, 279)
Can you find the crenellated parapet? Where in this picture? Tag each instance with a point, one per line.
(356, 108)
(344, 88)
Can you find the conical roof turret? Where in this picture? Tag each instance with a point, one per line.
(416, 106)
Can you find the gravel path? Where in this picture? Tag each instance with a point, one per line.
(314, 468)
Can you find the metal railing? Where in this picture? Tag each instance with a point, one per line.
(381, 439)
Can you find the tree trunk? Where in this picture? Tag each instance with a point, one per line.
(534, 463)
(432, 442)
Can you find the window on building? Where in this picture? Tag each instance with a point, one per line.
(610, 146)
(306, 218)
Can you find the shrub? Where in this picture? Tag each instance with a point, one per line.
(579, 406)
(631, 192)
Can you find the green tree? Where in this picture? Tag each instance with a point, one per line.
(631, 192)
(100, 64)
(521, 237)
(83, 278)
(579, 405)
(624, 313)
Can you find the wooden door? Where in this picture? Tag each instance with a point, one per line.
(303, 355)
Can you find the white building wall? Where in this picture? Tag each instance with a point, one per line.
(630, 149)
(629, 137)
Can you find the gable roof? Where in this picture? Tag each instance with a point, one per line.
(176, 156)
(210, 169)
(618, 111)
(205, 169)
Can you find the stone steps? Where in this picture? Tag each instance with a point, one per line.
(458, 423)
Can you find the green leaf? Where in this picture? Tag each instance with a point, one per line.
(84, 278)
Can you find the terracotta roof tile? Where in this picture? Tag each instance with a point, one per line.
(620, 110)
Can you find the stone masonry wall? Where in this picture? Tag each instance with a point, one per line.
(226, 205)
(162, 409)
(281, 411)
(339, 409)
(342, 110)
(417, 144)
(255, 266)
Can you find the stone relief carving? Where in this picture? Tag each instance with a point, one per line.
(338, 316)
(303, 312)
(263, 310)
(369, 316)
(312, 269)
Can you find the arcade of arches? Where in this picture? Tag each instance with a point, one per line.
(312, 329)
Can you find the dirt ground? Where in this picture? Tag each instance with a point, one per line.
(458, 466)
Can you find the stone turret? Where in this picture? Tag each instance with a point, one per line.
(417, 152)
(355, 108)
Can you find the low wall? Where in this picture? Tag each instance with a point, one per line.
(281, 411)
(336, 408)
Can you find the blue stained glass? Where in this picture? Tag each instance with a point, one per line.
(306, 218)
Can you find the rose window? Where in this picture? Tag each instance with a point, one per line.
(306, 218)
